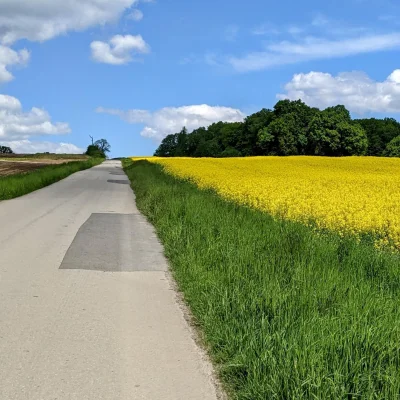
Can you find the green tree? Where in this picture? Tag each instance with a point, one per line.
(208, 148)
(303, 112)
(379, 132)
(248, 143)
(354, 139)
(229, 134)
(181, 143)
(332, 133)
(194, 139)
(287, 134)
(231, 152)
(167, 147)
(279, 138)
(94, 151)
(103, 145)
(324, 138)
(393, 148)
(5, 150)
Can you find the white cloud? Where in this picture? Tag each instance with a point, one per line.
(17, 124)
(10, 57)
(169, 120)
(119, 49)
(311, 48)
(135, 15)
(29, 147)
(40, 20)
(355, 90)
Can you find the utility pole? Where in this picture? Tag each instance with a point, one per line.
(91, 137)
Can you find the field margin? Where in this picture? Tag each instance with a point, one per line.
(13, 186)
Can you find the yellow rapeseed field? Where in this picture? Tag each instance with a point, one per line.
(349, 195)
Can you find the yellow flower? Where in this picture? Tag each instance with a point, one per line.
(353, 195)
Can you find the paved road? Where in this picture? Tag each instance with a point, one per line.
(87, 310)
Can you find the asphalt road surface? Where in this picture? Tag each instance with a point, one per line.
(87, 309)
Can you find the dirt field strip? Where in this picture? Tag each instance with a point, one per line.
(19, 165)
(12, 168)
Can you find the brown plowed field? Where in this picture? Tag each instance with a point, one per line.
(11, 166)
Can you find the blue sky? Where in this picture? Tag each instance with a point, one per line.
(134, 71)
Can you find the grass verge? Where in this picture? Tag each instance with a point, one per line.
(20, 184)
(285, 313)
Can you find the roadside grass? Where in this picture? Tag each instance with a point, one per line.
(285, 313)
(20, 184)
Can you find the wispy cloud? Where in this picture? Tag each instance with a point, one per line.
(311, 48)
(320, 25)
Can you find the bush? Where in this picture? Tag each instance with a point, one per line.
(393, 148)
(95, 151)
(231, 152)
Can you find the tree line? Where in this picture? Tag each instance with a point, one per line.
(98, 149)
(291, 128)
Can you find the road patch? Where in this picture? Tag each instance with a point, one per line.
(115, 243)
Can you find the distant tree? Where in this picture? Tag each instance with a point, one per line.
(5, 150)
(291, 128)
(167, 147)
(379, 132)
(231, 152)
(193, 141)
(181, 143)
(103, 145)
(332, 133)
(230, 134)
(393, 148)
(288, 133)
(303, 112)
(94, 151)
(354, 140)
(248, 143)
(208, 148)
(280, 137)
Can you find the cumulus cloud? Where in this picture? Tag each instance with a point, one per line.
(165, 121)
(29, 147)
(119, 50)
(40, 20)
(8, 58)
(311, 48)
(17, 124)
(356, 90)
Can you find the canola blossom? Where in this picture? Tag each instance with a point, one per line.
(356, 195)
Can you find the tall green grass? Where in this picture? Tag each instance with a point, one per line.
(285, 313)
(20, 184)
